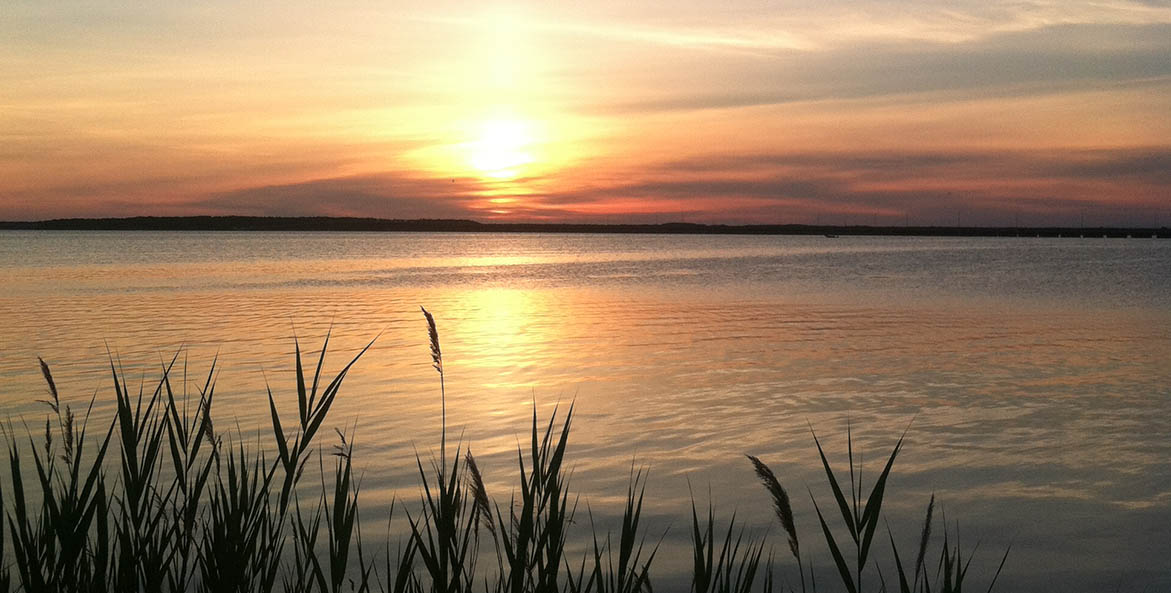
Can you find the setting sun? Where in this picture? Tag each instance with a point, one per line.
(502, 148)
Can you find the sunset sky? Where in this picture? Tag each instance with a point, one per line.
(1045, 112)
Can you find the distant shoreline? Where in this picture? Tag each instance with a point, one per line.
(345, 224)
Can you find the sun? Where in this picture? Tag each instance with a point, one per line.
(502, 147)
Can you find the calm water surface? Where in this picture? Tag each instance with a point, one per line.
(1037, 371)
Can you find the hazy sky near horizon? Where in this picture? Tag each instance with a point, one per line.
(857, 112)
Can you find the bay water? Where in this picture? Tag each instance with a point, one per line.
(1032, 376)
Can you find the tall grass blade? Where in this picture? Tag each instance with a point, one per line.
(999, 568)
(904, 585)
(303, 402)
(5, 574)
(842, 501)
(874, 504)
(835, 551)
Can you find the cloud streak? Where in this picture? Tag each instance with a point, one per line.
(1048, 60)
(859, 187)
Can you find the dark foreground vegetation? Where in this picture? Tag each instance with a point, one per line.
(329, 223)
(160, 500)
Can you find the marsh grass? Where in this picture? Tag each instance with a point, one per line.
(159, 500)
(860, 515)
(735, 568)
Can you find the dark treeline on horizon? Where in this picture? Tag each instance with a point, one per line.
(323, 223)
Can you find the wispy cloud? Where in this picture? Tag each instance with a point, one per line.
(859, 187)
(380, 196)
(1054, 59)
(754, 27)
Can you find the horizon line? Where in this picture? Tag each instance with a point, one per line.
(374, 224)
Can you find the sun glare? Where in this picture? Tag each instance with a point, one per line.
(502, 148)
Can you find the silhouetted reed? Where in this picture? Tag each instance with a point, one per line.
(161, 501)
(735, 569)
(860, 515)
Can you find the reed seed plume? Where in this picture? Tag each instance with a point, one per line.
(436, 352)
(437, 362)
(56, 402)
(781, 504)
(48, 440)
(924, 537)
(67, 430)
(343, 448)
(482, 506)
